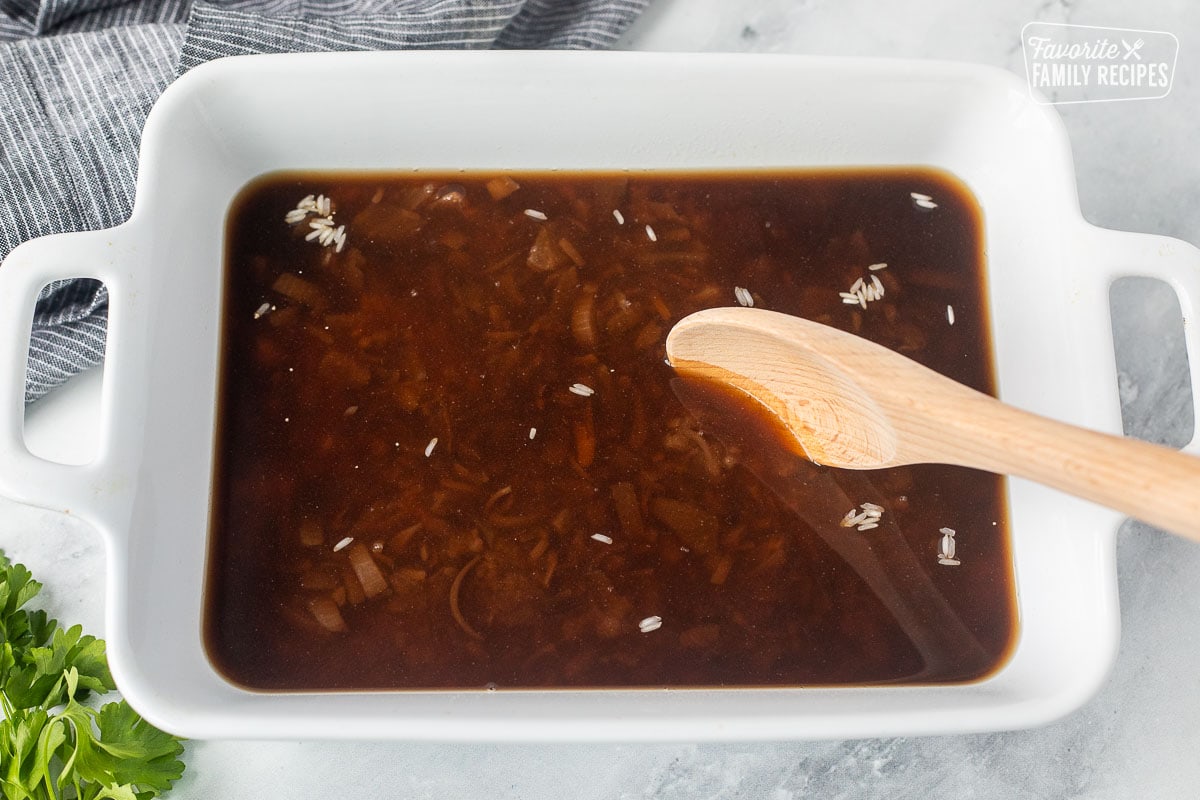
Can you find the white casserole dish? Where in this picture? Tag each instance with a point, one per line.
(229, 121)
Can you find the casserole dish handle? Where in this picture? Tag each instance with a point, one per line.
(25, 477)
(1175, 262)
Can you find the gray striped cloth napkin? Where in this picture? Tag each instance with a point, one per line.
(77, 78)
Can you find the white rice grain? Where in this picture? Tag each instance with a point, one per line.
(650, 624)
(948, 547)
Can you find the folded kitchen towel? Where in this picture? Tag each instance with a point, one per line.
(77, 78)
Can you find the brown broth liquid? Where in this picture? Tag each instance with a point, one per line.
(451, 313)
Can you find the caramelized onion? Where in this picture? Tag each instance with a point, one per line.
(626, 503)
(455, 591)
(583, 317)
(502, 187)
(372, 580)
(326, 613)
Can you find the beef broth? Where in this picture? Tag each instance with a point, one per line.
(450, 453)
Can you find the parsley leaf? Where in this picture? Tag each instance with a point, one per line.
(135, 752)
(52, 745)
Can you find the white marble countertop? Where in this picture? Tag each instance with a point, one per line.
(1138, 169)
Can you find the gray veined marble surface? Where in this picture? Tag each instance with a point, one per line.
(1138, 168)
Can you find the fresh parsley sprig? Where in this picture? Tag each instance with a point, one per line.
(52, 745)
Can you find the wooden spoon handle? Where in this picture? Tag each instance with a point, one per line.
(1155, 484)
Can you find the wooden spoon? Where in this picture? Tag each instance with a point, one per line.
(854, 404)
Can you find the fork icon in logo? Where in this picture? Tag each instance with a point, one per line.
(1132, 49)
